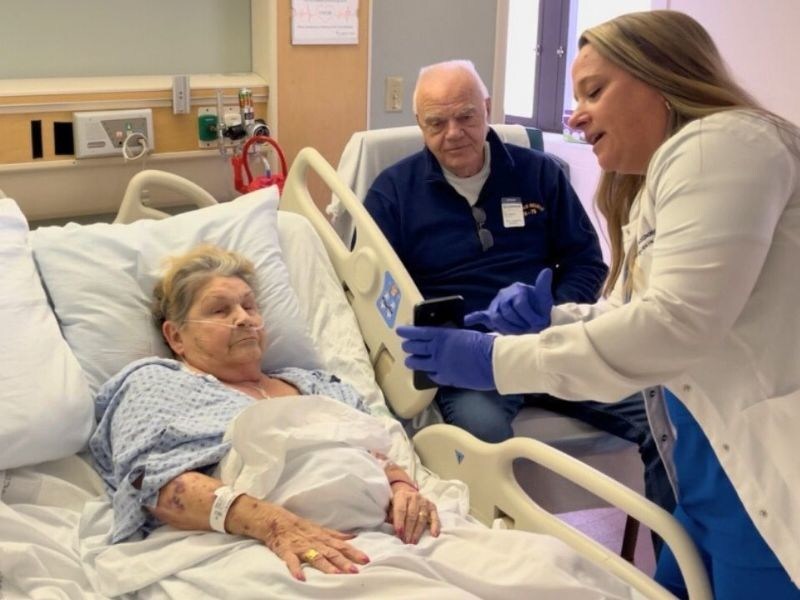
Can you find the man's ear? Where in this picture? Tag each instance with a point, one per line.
(173, 337)
(488, 109)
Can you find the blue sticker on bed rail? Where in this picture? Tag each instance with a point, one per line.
(389, 300)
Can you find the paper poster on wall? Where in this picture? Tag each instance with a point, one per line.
(324, 21)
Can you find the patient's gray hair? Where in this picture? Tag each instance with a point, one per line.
(186, 275)
(454, 65)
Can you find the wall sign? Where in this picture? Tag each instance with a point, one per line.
(324, 21)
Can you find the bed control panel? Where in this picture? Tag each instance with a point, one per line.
(389, 300)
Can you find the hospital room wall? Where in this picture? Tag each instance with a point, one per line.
(759, 41)
(320, 94)
(410, 34)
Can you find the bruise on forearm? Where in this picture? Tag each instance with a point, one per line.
(257, 519)
(185, 502)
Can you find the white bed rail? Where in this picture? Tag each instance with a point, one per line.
(487, 469)
(372, 287)
(133, 207)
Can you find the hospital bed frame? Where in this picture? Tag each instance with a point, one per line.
(496, 499)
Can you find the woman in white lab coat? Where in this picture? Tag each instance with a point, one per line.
(701, 193)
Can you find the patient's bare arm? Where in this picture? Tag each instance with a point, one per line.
(186, 502)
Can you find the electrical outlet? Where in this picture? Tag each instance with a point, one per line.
(231, 112)
(103, 133)
(393, 99)
(181, 95)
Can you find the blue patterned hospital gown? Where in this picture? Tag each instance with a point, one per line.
(156, 420)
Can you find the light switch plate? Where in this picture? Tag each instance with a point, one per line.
(181, 95)
(393, 100)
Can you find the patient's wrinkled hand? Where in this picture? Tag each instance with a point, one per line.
(411, 513)
(298, 541)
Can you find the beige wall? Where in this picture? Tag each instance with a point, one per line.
(759, 42)
(321, 92)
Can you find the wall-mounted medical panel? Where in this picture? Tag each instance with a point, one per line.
(56, 101)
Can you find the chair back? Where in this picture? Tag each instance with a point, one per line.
(370, 152)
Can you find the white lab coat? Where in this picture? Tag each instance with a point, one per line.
(714, 316)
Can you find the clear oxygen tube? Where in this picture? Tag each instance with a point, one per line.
(228, 325)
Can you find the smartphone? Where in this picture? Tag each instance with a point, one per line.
(441, 312)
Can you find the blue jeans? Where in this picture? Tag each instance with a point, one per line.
(488, 416)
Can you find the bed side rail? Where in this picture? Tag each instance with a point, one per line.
(133, 207)
(376, 283)
(487, 469)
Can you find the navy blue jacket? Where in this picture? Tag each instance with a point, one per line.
(431, 227)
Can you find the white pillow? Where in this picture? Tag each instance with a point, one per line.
(100, 279)
(330, 318)
(44, 399)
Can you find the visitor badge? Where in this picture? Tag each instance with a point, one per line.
(512, 212)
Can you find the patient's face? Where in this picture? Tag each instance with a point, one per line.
(223, 329)
(453, 116)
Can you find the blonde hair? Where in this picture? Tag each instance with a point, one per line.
(673, 53)
(188, 273)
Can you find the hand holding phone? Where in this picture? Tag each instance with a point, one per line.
(440, 312)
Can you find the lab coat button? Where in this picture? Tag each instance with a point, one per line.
(687, 387)
(651, 393)
(762, 513)
(664, 438)
(726, 447)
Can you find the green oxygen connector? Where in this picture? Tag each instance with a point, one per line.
(207, 128)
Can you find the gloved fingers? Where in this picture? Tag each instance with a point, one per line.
(521, 306)
(479, 317)
(510, 320)
(544, 281)
(421, 363)
(417, 347)
(412, 332)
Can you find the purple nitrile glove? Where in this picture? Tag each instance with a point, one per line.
(518, 308)
(453, 357)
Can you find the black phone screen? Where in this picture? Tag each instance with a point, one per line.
(440, 312)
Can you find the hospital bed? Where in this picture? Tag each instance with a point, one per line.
(49, 504)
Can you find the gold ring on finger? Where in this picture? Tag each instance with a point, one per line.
(310, 555)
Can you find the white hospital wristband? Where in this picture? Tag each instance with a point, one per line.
(224, 497)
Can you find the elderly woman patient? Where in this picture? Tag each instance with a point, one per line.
(161, 422)
(170, 432)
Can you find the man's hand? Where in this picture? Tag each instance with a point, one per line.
(518, 308)
(453, 357)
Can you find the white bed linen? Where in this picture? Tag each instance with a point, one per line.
(304, 440)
